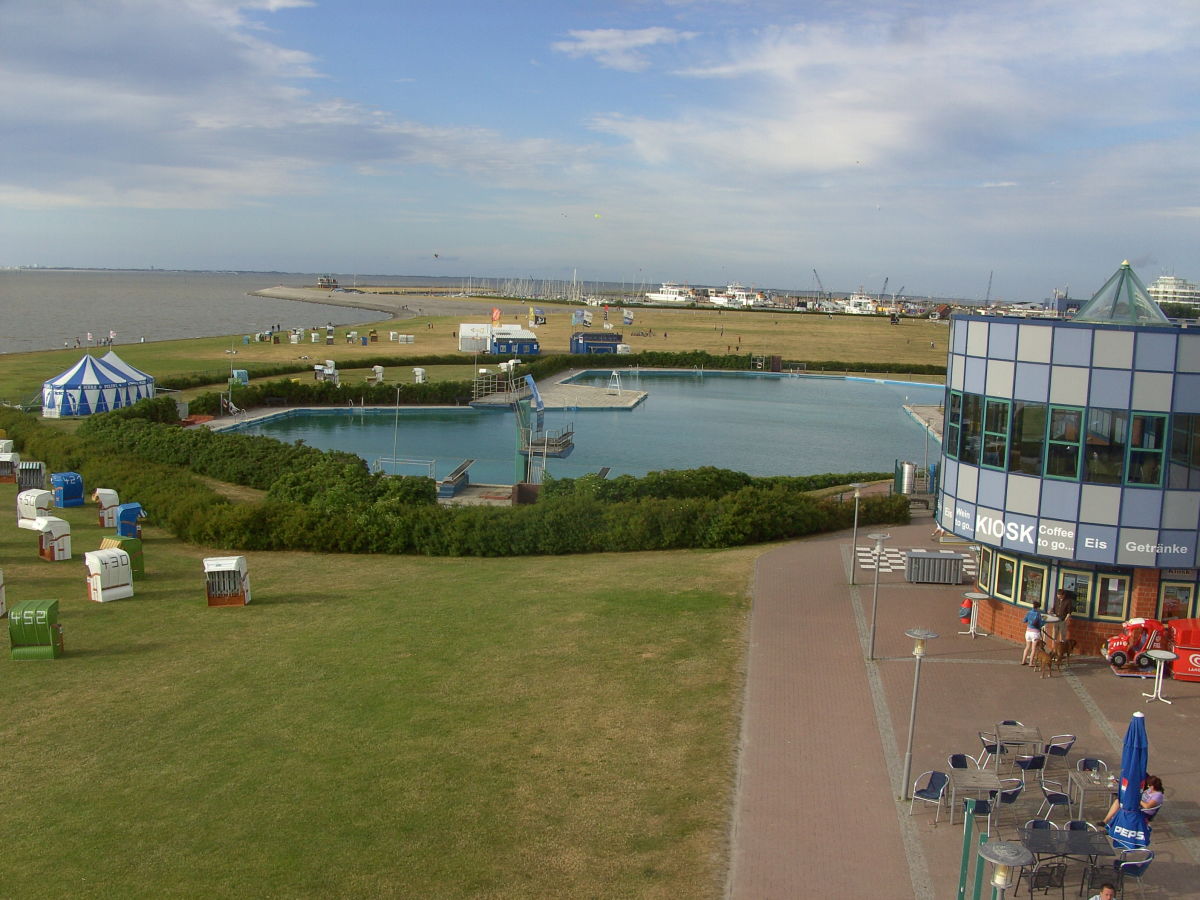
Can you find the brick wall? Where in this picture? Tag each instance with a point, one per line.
(1006, 621)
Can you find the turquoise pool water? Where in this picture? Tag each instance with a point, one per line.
(759, 424)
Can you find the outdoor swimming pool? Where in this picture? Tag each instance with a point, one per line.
(758, 424)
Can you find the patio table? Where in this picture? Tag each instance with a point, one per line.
(976, 780)
(1055, 842)
(1018, 736)
(1085, 783)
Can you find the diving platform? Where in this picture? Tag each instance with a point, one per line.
(559, 395)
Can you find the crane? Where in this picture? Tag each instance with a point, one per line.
(883, 293)
(988, 298)
(820, 286)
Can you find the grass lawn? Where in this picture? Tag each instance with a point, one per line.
(794, 336)
(375, 726)
(371, 726)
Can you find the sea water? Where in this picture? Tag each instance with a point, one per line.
(46, 309)
(758, 424)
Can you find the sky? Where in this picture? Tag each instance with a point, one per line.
(942, 146)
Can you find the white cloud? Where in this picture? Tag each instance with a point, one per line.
(620, 49)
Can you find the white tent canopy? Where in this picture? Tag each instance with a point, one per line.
(95, 385)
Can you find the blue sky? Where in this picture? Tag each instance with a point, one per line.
(700, 141)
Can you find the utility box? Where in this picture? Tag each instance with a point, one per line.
(239, 376)
(54, 538)
(34, 630)
(1185, 636)
(107, 501)
(31, 474)
(132, 546)
(933, 567)
(129, 516)
(33, 505)
(109, 575)
(68, 489)
(226, 581)
(9, 463)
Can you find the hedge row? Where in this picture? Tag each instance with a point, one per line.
(706, 481)
(328, 502)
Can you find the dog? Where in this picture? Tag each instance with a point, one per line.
(1043, 660)
(1062, 652)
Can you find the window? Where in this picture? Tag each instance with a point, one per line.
(985, 569)
(1062, 447)
(1033, 584)
(1107, 434)
(1185, 452)
(1175, 600)
(1028, 449)
(953, 423)
(1006, 576)
(995, 433)
(1111, 593)
(1078, 586)
(1146, 443)
(972, 429)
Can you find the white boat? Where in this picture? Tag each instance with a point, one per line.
(736, 295)
(860, 304)
(670, 292)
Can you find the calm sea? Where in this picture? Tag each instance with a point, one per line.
(40, 309)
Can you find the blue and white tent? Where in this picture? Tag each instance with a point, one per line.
(95, 385)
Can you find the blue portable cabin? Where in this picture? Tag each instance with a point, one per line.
(595, 342)
(239, 376)
(515, 342)
(68, 489)
(128, 520)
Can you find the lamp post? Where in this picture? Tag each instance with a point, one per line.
(1005, 856)
(919, 636)
(878, 537)
(854, 534)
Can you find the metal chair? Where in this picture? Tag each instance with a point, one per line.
(1132, 864)
(1079, 825)
(1058, 747)
(1013, 722)
(1034, 762)
(961, 761)
(933, 792)
(1040, 823)
(1047, 875)
(991, 747)
(983, 809)
(1054, 796)
(1006, 796)
(1091, 764)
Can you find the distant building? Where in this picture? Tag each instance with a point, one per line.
(1172, 289)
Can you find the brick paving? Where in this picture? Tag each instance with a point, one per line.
(824, 732)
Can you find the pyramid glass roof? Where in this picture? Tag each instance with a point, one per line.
(1122, 301)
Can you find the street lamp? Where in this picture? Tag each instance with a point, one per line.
(878, 537)
(854, 535)
(1005, 856)
(919, 636)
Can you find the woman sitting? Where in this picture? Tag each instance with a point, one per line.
(1150, 802)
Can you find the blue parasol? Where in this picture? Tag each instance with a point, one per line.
(1128, 827)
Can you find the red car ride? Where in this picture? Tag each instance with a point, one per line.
(1136, 637)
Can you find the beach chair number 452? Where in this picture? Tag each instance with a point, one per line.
(33, 616)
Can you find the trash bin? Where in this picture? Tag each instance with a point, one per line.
(1186, 637)
(365, 341)
(275, 338)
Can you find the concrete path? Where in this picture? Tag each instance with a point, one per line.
(825, 732)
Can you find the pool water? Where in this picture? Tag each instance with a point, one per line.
(758, 424)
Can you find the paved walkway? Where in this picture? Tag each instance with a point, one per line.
(825, 731)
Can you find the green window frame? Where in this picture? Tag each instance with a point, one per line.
(983, 579)
(1032, 582)
(1079, 584)
(1106, 444)
(995, 433)
(1006, 577)
(1064, 438)
(1145, 462)
(1112, 596)
(1176, 599)
(970, 441)
(953, 423)
(1027, 447)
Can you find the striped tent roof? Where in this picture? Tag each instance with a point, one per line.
(94, 385)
